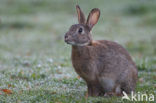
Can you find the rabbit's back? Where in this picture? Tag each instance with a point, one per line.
(111, 56)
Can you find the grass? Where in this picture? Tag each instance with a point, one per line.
(35, 62)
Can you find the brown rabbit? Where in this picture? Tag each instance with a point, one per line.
(106, 66)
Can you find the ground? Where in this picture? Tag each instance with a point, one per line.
(35, 63)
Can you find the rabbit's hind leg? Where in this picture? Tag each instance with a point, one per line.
(128, 84)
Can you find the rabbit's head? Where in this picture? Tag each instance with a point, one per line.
(79, 34)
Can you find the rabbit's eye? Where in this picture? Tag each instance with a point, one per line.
(80, 30)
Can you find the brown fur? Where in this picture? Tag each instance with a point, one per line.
(105, 66)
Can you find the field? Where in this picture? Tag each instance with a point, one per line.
(35, 63)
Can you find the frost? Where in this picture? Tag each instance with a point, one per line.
(39, 65)
(50, 60)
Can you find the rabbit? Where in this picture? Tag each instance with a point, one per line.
(106, 66)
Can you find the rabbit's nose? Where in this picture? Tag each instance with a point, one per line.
(66, 36)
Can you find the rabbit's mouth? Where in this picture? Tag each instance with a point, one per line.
(70, 42)
(77, 44)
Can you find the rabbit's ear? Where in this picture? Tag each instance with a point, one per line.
(93, 17)
(81, 17)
